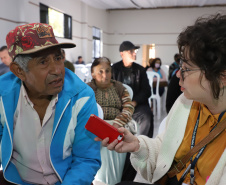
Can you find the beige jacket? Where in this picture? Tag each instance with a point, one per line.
(155, 156)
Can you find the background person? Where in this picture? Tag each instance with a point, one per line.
(42, 134)
(67, 63)
(156, 67)
(174, 66)
(80, 60)
(149, 63)
(134, 75)
(117, 107)
(197, 112)
(6, 60)
(173, 92)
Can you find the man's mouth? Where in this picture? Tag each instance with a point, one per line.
(57, 82)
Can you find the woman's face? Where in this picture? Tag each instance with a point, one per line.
(102, 74)
(194, 89)
(157, 64)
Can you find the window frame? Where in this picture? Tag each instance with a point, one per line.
(67, 24)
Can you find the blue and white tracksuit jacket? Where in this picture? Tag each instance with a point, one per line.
(74, 155)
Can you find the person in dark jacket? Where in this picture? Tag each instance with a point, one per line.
(134, 75)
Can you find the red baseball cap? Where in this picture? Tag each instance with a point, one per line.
(31, 38)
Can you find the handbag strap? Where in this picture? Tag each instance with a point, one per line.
(211, 136)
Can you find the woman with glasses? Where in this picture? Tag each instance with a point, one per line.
(198, 113)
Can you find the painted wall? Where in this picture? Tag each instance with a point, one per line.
(159, 26)
(18, 12)
(142, 27)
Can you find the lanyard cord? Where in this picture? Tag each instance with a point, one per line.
(191, 166)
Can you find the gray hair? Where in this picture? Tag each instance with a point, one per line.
(22, 61)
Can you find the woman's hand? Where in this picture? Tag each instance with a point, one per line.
(116, 125)
(130, 143)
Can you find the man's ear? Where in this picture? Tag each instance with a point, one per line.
(121, 53)
(16, 69)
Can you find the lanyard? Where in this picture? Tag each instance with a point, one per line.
(191, 166)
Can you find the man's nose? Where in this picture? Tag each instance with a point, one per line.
(55, 66)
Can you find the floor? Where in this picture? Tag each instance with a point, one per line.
(157, 122)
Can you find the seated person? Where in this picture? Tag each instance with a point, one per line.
(174, 66)
(115, 101)
(149, 63)
(173, 92)
(156, 67)
(80, 60)
(199, 112)
(42, 132)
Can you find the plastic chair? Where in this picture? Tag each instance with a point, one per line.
(165, 68)
(100, 111)
(89, 75)
(129, 89)
(133, 123)
(81, 71)
(156, 97)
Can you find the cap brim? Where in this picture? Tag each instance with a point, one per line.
(41, 48)
(136, 47)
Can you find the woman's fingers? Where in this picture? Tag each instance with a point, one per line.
(118, 147)
(105, 142)
(112, 145)
(97, 139)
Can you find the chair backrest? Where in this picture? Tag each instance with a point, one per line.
(100, 111)
(81, 71)
(89, 75)
(151, 75)
(165, 68)
(130, 90)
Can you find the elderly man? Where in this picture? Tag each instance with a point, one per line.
(6, 60)
(43, 110)
(134, 75)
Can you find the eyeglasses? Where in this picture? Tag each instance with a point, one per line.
(182, 71)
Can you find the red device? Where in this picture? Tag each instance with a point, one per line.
(102, 129)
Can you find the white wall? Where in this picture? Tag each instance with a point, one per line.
(159, 26)
(142, 27)
(18, 12)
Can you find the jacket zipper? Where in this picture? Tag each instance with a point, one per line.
(52, 139)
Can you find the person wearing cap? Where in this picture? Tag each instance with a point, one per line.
(43, 111)
(134, 75)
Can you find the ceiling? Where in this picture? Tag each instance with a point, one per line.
(149, 4)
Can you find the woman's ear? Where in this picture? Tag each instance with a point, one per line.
(16, 69)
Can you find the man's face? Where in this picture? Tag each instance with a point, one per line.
(80, 60)
(129, 55)
(5, 58)
(45, 74)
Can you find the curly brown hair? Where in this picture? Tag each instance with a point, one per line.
(205, 42)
